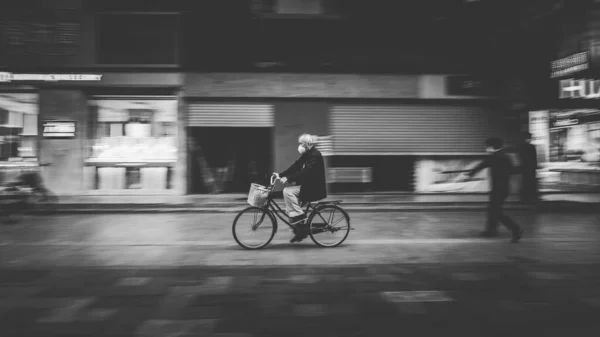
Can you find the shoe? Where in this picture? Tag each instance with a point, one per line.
(517, 235)
(489, 234)
(298, 238)
(300, 232)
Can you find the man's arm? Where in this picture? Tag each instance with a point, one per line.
(305, 173)
(295, 167)
(484, 164)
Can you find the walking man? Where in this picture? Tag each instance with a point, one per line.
(500, 171)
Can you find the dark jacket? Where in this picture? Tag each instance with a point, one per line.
(501, 169)
(528, 158)
(308, 172)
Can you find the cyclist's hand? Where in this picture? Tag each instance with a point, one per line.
(283, 180)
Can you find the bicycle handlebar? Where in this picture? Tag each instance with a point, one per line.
(273, 179)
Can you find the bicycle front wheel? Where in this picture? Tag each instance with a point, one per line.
(254, 228)
(329, 225)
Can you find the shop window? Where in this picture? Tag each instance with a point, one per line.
(18, 127)
(135, 143)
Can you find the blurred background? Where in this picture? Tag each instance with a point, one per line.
(204, 96)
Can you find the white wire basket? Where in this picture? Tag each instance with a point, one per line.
(258, 195)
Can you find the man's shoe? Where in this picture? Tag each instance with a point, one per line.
(298, 238)
(488, 234)
(517, 235)
(301, 232)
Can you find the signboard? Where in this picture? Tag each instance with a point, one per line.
(568, 118)
(578, 88)
(59, 129)
(539, 123)
(569, 65)
(469, 86)
(9, 77)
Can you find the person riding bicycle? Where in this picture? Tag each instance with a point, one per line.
(308, 172)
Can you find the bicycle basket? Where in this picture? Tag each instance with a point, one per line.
(258, 195)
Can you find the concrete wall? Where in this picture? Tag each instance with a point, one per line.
(434, 87)
(52, 50)
(291, 120)
(304, 86)
(65, 175)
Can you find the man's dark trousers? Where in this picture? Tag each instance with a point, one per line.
(496, 214)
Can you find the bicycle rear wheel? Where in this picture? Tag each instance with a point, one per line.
(329, 225)
(254, 228)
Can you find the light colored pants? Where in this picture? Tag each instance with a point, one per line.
(292, 203)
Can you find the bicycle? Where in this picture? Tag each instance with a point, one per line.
(263, 207)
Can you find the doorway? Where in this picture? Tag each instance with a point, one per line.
(228, 159)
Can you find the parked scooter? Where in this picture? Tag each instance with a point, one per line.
(23, 193)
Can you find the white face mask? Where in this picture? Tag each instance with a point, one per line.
(301, 149)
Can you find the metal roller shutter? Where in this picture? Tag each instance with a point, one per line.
(413, 129)
(231, 115)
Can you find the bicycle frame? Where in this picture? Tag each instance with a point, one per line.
(274, 208)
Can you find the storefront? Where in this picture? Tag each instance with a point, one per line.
(19, 147)
(134, 144)
(403, 130)
(117, 135)
(408, 145)
(284, 105)
(567, 138)
(447, 131)
(229, 143)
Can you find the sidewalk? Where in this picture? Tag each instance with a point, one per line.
(352, 202)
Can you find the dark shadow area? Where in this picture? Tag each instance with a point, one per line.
(389, 173)
(235, 157)
(306, 244)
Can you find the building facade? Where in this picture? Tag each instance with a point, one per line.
(565, 119)
(406, 129)
(180, 110)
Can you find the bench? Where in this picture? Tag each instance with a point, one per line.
(361, 175)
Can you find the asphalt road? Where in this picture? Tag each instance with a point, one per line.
(413, 274)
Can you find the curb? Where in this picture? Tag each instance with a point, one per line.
(548, 206)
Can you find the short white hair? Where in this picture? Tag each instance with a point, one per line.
(307, 139)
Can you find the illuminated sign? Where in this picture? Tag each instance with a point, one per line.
(59, 129)
(565, 122)
(459, 85)
(569, 65)
(584, 89)
(9, 77)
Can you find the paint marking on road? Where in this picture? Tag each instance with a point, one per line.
(469, 277)
(133, 281)
(157, 328)
(416, 296)
(98, 315)
(310, 310)
(545, 276)
(67, 313)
